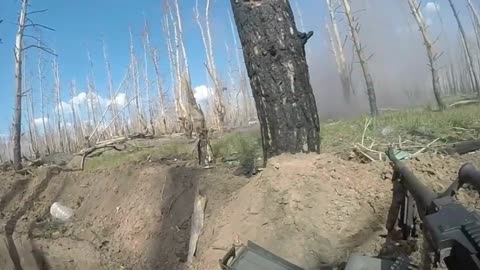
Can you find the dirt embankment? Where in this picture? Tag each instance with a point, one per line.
(133, 217)
(314, 210)
(317, 210)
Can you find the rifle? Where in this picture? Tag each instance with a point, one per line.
(451, 230)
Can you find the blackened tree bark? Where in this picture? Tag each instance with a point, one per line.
(274, 55)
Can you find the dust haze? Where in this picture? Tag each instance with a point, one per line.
(390, 36)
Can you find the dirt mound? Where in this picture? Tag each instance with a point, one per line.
(316, 210)
(309, 209)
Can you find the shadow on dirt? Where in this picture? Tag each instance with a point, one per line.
(38, 254)
(17, 187)
(11, 224)
(169, 250)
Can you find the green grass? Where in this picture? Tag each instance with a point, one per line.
(244, 149)
(451, 125)
(114, 159)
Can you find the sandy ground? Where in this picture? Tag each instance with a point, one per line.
(314, 210)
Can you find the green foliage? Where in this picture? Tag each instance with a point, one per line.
(242, 149)
(114, 159)
(452, 124)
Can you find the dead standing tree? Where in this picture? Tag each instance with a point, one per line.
(218, 100)
(476, 24)
(274, 53)
(337, 49)
(431, 53)
(17, 120)
(472, 71)
(23, 23)
(354, 30)
(195, 113)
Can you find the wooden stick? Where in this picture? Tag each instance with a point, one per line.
(365, 126)
(424, 148)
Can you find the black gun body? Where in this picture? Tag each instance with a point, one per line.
(452, 230)
(422, 195)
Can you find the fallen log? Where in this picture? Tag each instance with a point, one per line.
(462, 148)
(197, 225)
(463, 103)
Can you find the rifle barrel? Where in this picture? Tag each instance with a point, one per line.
(421, 193)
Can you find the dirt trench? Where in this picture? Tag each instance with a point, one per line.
(313, 210)
(136, 216)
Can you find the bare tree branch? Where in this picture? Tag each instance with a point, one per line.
(41, 48)
(36, 11)
(34, 25)
(36, 39)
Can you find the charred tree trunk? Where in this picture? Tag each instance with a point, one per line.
(431, 54)
(469, 57)
(17, 118)
(354, 29)
(274, 53)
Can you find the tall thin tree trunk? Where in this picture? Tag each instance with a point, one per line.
(42, 105)
(113, 106)
(195, 113)
(473, 72)
(354, 29)
(136, 85)
(431, 54)
(17, 118)
(242, 76)
(182, 72)
(219, 106)
(146, 48)
(76, 129)
(274, 52)
(30, 122)
(92, 100)
(173, 67)
(160, 92)
(337, 48)
(58, 106)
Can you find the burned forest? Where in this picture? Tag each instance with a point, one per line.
(193, 134)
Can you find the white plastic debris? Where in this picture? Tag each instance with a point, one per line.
(61, 212)
(387, 130)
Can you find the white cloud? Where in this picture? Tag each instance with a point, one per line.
(120, 99)
(67, 124)
(201, 93)
(79, 99)
(428, 21)
(431, 7)
(64, 107)
(38, 121)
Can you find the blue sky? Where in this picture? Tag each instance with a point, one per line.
(387, 27)
(81, 24)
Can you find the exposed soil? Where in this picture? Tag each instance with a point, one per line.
(314, 210)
